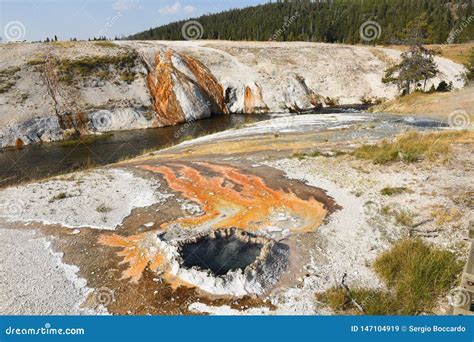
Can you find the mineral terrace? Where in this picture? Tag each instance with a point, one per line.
(230, 223)
(66, 90)
(253, 220)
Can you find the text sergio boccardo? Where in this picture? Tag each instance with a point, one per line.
(419, 329)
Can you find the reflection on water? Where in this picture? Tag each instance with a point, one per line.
(220, 254)
(44, 160)
(41, 161)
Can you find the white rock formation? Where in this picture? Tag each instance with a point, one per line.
(101, 204)
(113, 94)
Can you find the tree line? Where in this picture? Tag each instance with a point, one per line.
(331, 21)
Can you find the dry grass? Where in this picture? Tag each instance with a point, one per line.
(63, 44)
(86, 140)
(374, 302)
(380, 54)
(456, 52)
(106, 44)
(413, 146)
(404, 218)
(391, 191)
(58, 197)
(416, 275)
(8, 78)
(437, 105)
(97, 66)
(317, 153)
(443, 215)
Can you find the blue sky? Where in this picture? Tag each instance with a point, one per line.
(38, 19)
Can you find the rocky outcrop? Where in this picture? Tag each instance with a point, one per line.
(50, 93)
(296, 97)
(253, 99)
(299, 97)
(183, 89)
(80, 89)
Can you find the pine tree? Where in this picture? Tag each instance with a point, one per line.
(334, 21)
(417, 66)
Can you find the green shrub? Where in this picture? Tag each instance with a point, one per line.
(7, 78)
(390, 191)
(96, 66)
(103, 209)
(444, 87)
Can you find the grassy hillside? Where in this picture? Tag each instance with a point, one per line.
(438, 105)
(458, 53)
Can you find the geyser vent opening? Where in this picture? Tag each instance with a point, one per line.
(221, 251)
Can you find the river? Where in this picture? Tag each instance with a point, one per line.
(39, 161)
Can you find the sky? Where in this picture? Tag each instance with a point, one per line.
(37, 19)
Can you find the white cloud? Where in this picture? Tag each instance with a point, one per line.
(189, 8)
(170, 9)
(125, 5)
(176, 8)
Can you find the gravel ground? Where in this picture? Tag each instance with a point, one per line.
(437, 196)
(97, 199)
(34, 281)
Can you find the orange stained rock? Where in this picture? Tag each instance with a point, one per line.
(229, 198)
(165, 78)
(160, 84)
(253, 99)
(208, 83)
(19, 143)
(234, 199)
(136, 253)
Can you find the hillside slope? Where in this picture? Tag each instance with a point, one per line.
(61, 90)
(437, 105)
(335, 21)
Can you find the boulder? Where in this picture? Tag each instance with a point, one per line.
(183, 89)
(299, 97)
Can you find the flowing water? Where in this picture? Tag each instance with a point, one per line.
(38, 161)
(43, 160)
